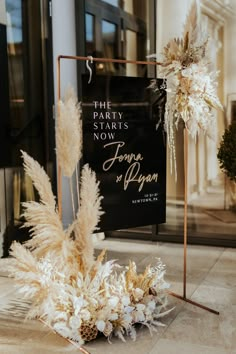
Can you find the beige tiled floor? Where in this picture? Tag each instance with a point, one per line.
(189, 329)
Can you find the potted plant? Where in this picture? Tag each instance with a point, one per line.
(227, 157)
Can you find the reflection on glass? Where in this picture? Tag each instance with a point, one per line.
(112, 2)
(25, 121)
(108, 31)
(109, 38)
(89, 34)
(21, 187)
(131, 52)
(14, 21)
(25, 79)
(15, 54)
(89, 25)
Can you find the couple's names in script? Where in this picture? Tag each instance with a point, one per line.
(132, 174)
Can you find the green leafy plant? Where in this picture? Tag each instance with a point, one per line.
(227, 152)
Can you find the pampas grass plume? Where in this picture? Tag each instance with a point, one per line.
(69, 133)
(88, 216)
(40, 180)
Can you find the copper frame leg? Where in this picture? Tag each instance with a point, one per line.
(184, 298)
(194, 303)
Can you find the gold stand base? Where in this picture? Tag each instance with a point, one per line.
(184, 298)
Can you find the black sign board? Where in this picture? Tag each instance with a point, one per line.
(124, 143)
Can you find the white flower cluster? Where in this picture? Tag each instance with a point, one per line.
(109, 301)
(191, 95)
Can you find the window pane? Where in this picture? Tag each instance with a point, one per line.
(89, 34)
(112, 2)
(109, 38)
(15, 52)
(108, 31)
(89, 22)
(14, 21)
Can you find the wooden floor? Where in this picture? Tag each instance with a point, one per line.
(189, 330)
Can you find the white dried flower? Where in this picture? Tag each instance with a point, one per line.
(100, 325)
(137, 294)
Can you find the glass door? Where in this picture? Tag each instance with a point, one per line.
(27, 109)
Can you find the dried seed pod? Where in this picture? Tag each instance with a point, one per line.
(152, 291)
(88, 331)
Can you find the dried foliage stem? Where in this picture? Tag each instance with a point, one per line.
(72, 196)
(77, 182)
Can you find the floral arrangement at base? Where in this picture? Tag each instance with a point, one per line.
(74, 293)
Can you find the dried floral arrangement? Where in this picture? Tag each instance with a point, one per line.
(74, 293)
(190, 85)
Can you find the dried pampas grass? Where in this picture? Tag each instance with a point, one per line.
(88, 215)
(40, 180)
(47, 233)
(45, 227)
(191, 28)
(69, 133)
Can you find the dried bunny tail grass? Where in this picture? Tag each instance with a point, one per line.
(69, 133)
(45, 227)
(88, 215)
(40, 180)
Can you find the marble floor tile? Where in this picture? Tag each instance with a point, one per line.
(125, 246)
(201, 327)
(165, 346)
(199, 259)
(224, 271)
(212, 294)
